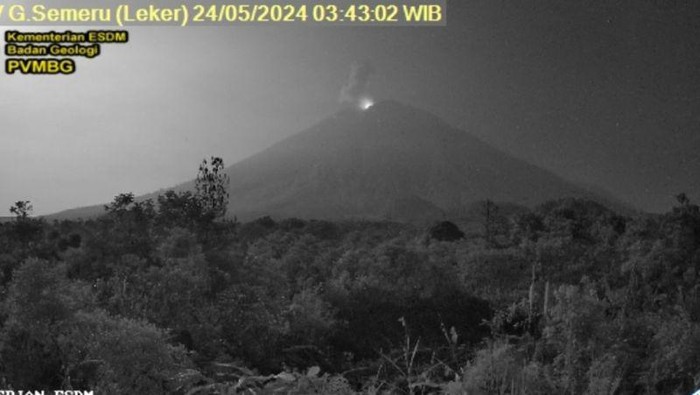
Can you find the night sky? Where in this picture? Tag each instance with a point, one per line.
(601, 92)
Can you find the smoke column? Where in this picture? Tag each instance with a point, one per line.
(355, 88)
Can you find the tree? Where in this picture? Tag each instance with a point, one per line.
(26, 229)
(127, 226)
(117, 355)
(39, 307)
(445, 231)
(211, 187)
(181, 209)
(120, 203)
(22, 209)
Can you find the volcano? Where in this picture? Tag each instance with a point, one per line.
(389, 161)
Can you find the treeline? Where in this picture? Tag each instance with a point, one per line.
(166, 296)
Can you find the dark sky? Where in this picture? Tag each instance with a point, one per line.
(601, 92)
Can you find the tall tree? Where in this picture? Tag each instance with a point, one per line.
(211, 187)
(22, 209)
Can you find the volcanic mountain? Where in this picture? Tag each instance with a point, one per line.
(390, 161)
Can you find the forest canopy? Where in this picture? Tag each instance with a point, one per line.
(168, 296)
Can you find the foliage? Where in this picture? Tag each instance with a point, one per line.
(128, 356)
(161, 296)
(446, 231)
(55, 338)
(211, 187)
(22, 209)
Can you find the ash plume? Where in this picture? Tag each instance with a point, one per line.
(356, 86)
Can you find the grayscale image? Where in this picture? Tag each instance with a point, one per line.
(500, 199)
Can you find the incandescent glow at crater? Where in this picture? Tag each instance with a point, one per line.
(366, 103)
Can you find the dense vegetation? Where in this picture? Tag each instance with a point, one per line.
(167, 297)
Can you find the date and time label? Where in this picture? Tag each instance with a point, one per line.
(401, 13)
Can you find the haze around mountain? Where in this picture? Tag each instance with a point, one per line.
(385, 161)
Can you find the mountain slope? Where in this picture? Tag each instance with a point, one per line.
(389, 162)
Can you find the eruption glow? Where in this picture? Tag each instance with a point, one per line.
(365, 103)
